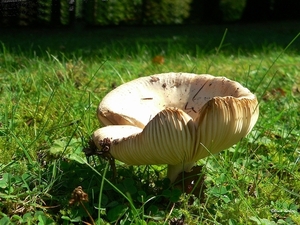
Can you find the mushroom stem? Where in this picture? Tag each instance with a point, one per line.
(175, 170)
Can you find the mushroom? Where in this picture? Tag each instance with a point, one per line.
(174, 119)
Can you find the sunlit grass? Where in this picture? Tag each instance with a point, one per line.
(48, 97)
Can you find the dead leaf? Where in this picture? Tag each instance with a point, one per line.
(158, 59)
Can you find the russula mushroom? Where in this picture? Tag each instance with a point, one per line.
(174, 119)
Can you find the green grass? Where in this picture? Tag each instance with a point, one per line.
(51, 82)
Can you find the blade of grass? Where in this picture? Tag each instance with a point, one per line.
(222, 41)
(23, 148)
(3, 167)
(101, 190)
(276, 59)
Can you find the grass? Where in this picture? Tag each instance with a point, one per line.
(53, 80)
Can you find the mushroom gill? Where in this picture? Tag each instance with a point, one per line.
(174, 119)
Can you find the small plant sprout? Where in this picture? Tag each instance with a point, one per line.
(174, 119)
(78, 197)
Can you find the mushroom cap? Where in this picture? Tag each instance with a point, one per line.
(175, 118)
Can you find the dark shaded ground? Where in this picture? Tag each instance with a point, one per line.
(90, 41)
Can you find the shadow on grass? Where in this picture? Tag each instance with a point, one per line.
(122, 42)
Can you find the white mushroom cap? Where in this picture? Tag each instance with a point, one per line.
(175, 119)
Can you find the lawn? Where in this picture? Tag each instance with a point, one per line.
(52, 80)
